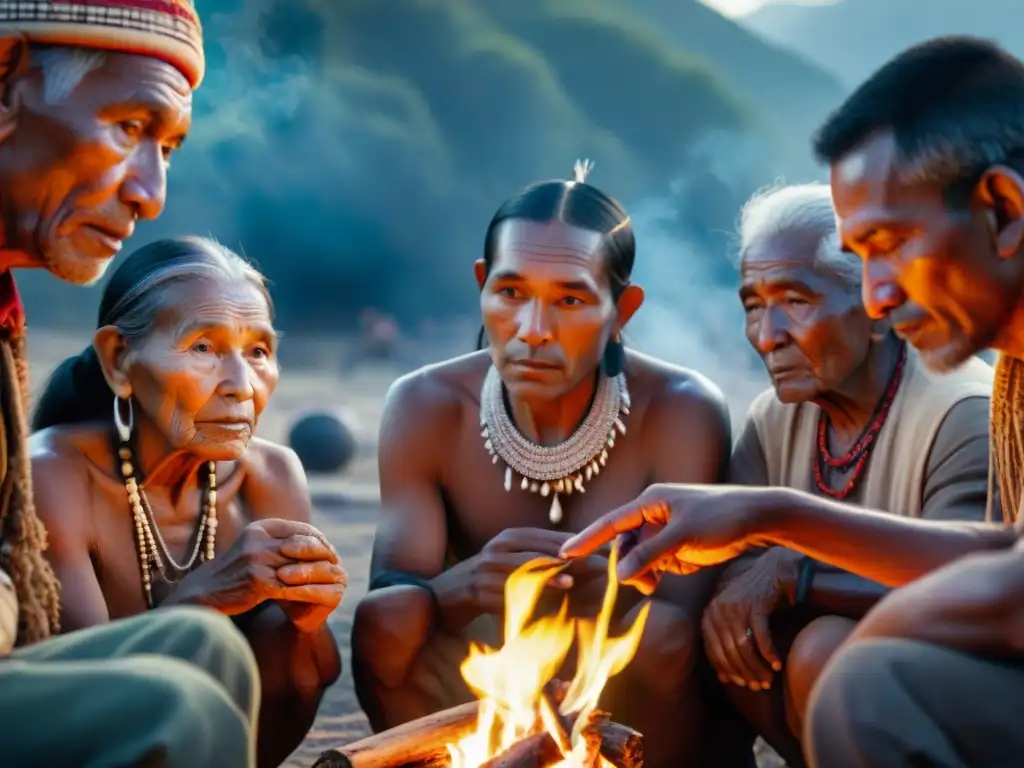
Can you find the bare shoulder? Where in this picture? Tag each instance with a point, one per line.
(274, 482)
(435, 397)
(63, 459)
(267, 462)
(671, 393)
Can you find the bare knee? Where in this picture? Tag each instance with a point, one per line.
(389, 629)
(811, 651)
(666, 658)
(813, 647)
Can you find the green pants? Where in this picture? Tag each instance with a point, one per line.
(175, 688)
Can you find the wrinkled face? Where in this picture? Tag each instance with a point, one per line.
(78, 173)
(205, 374)
(934, 271)
(805, 321)
(547, 306)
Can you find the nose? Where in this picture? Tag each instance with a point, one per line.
(144, 188)
(771, 331)
(236, 378)
(880, 290)
(534, 325)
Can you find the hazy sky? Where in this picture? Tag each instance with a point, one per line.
(736, 8)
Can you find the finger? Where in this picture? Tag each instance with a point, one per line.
(763, 640)
(321, 572)
(538, 540)
(283, 529)
(506, 562)
(740, 649)
(655, 553)
(716, 652)
(562, 581)
(597, 534)
(304, 547)
(318, 594)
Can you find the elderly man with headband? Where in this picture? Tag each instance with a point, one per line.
(95, 95)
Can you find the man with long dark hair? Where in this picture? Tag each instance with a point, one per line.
(490, 460)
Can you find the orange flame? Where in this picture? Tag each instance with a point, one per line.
(509, 681)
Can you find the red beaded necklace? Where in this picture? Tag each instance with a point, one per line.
(857, 457)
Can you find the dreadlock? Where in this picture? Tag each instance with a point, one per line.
(1007, 435)
(22, 533)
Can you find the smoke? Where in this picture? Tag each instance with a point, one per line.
(692, 315)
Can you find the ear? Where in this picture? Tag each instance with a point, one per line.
(480, 272)
(1001, 191)
(629, 302)
(13, 66)
(112, 352)
(880, 329)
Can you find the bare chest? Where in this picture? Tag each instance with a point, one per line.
(115, 553)
(479, 507)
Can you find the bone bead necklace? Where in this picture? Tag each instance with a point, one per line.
(560, 469)
(153, 551)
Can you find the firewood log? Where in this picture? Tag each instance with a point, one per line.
(423, 744)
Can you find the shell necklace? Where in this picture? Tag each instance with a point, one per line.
(558, 469)
(153, 551)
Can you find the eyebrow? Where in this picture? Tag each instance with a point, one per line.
(259, 329)
(747, 289)
(511, 276)
(153, 108)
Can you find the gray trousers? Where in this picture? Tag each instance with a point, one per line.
(175, 688)
(896, 703)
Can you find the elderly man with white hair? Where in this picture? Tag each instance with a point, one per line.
(852, 415)
(95, 96)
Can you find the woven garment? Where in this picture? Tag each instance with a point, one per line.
(165, 29)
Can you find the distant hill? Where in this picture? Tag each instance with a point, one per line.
(851, 38)
(792, 90)
(357, 149)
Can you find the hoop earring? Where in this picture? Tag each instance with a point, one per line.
(614, 358)
(124, 431)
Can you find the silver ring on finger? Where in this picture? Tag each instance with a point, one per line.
(749, 633)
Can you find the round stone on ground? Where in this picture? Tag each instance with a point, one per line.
(324, 441)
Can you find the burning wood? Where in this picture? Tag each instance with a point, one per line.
(524, 717)
(424, 743)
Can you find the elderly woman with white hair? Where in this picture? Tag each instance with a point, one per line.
(852, 414)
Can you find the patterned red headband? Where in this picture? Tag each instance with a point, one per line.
(165, 29)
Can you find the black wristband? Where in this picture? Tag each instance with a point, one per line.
(399, 578)
(803, 580)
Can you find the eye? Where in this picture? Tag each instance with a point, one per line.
(202, 347)
(132, 129)
(797, 301)
(260, 353)
(573, 301)
(508, 292)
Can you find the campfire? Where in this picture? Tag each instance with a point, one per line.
(523, 716)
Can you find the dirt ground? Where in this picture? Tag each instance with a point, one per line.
(345, 507)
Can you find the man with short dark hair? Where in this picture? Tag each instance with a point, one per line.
(926, 163)
(94, 97)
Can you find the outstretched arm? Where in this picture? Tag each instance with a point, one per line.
(956, 486)
(690, 440)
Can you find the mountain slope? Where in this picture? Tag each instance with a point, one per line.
(794, 91)
(852, 38)
(357, 149)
